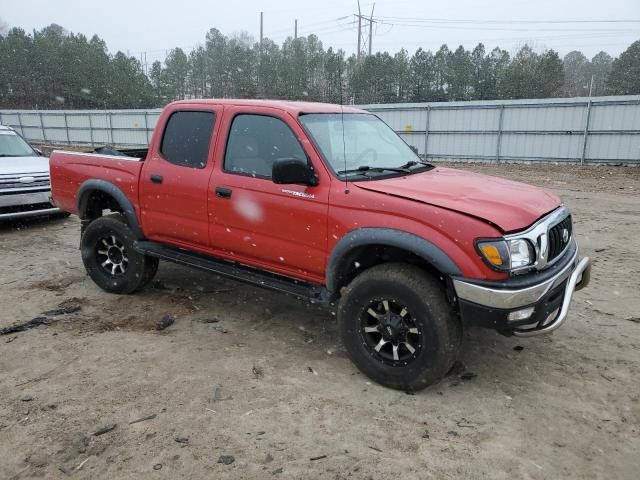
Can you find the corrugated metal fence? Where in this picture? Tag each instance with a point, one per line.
(576, 130)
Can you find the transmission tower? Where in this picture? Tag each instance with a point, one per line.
(365, 42)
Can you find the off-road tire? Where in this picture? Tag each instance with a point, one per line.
(413, 290)
(138, 269)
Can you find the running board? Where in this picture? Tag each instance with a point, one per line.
(309, 291)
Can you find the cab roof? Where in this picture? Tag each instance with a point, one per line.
(292, 107)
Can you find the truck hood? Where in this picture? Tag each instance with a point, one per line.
(509, 205)
(23, 165)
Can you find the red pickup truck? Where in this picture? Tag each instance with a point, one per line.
(327, 203)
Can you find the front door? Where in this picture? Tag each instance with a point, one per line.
(280, 227)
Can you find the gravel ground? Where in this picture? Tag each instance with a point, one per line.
(248, 383)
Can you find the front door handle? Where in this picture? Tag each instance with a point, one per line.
(156, 178)
(223, 192)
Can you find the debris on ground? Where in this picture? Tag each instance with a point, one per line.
(313, 459)
(311, 370)
(268, 458)
(71, 305)
(157, 466)
(105, 429)
(26, 398)
(375, 449)
(183, 440)
(166, 321)
(143, 419)
(80, 442)
(211, 320)
(518, 348)
(11, 339)
(258, 373)
(277, 471)
(468, 376)
(24, 326)
(453, 433)
(464, 423)
(426, 434)
(216, 396)
(226, 459)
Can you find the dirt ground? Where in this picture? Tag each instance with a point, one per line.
(252, 374)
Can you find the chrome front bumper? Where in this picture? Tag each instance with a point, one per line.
(550, 298)
(579, 279)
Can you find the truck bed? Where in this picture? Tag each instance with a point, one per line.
(69, 170)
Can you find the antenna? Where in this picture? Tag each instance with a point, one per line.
(344, 143)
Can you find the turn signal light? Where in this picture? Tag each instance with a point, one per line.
(492, 254)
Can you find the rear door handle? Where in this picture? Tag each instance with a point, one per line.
(223, 192)
(156, 178)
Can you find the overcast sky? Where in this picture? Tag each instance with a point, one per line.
(157, 26)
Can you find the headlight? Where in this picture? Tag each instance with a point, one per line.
(506, 255)
(521, 253)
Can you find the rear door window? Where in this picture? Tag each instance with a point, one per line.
(187, 137)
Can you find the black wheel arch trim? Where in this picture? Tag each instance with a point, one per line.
(118, 195)
(419, 246)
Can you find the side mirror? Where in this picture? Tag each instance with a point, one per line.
(292, 170)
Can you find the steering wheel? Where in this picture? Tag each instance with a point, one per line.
(365, 153)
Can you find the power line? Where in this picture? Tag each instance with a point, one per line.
(508, 22)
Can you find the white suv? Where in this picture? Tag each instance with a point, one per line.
(25, 188)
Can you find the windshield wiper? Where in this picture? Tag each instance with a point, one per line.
(413, 163)
(367, 168)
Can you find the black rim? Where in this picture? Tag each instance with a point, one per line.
(390, 333)
(112, 256)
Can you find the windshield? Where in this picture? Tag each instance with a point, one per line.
(354, 143)
(12, 145)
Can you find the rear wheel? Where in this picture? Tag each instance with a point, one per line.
(398, 327)
(110, 259)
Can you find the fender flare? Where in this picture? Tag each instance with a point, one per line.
(118, 195)
(389, 237)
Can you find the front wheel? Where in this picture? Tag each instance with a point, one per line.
(397, 326)
(110, 259)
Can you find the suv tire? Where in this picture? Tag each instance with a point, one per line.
(110, 259)
(398, 327)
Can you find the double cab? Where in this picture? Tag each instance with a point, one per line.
(327, 203)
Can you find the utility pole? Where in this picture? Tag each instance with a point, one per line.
(371, 28)
(261, 29)
(359, 31)
(295, 30)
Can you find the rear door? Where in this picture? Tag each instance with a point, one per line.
(175, 177)
(279, 227)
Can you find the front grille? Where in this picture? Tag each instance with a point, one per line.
(558, 240)
(13, 181)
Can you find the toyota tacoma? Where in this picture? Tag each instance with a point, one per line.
(327, 203)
